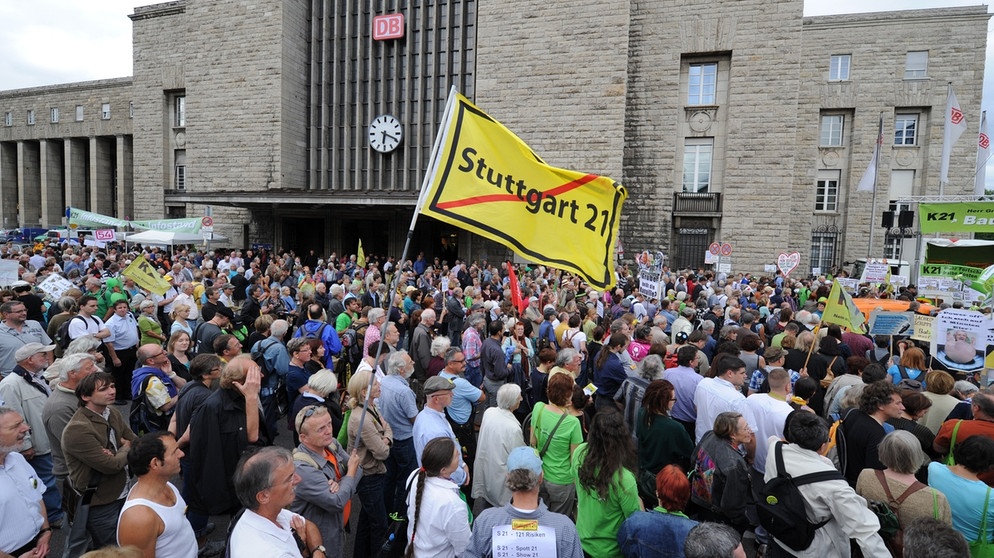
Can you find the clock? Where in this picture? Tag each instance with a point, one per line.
(385, 133)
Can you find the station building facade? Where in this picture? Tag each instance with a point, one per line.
(738, 121)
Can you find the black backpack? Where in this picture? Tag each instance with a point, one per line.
(62, 338)
(143, 419)
(781, 506)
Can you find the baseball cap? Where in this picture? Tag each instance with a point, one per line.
(31, 349)
(438, 383)
(524, 457)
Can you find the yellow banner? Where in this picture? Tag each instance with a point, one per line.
(360, 259)
(145, 275)
(841, 310)
(486, 180)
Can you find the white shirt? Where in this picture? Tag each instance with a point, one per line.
(177, 539)
(443, 520)
(20, 505)
(81, 326)
(255, 535)
(770, 414)
(183, 298)
(123, 331)
(500, 432)
(714, 396)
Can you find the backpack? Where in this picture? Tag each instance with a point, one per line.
(906, 381)
(781, 506)
(670, 361)
(143, 419)
(544, 333)
(282, 399)
(873, 357)
(836, 449)
(888, 513)
(62, 338)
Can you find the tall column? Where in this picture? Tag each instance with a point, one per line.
(28, 184)
(8, 185)
(75, 160)
(51, 169)
(125, 178)
(101, 176)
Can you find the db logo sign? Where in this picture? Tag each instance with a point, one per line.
(389, 26)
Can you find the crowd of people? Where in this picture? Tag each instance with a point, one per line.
(436, 410)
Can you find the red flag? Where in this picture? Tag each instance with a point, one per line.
(515, 290)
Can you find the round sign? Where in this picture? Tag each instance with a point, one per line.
(726, 249)
(73, 226)
(714, 248)
(207, 221)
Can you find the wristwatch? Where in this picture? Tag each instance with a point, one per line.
(320, 548)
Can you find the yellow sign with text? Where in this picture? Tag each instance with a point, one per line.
(145, 276)
(485, 179)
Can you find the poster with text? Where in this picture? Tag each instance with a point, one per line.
(959, 341)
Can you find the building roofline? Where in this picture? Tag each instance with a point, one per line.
(65, 87)
(899, 17)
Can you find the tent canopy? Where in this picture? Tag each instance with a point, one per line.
(167, 238)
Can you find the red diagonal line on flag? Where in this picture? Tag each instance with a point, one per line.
(562, 189)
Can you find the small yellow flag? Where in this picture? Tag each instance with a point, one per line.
(145, 275)
(360, 258)
(841, 310)
(486, 180)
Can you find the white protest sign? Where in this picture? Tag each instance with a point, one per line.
(8, 271)
(649, 283)
(875, 272)
(788, 262)
(523, 538)
(55, 285)
(959, 340)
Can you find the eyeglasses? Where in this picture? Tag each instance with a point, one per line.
(458, 361)
(155, 356)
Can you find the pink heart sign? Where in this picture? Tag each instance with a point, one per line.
(788, 262)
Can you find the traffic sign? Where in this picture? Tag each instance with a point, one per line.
(715, 248)
(207, 221)
(726, 249)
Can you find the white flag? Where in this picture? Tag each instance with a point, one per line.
(954, 127)
(870, 175)
(983, 153)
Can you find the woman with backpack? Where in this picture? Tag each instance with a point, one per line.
(911, 366)
(721, 488)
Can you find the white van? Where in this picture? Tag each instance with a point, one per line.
(897, 267)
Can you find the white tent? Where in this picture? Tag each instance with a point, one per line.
(167, 238)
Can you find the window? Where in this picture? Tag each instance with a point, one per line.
(55, 115)
(831, 130)
(892, 247)
(179, 107)
(697, 165)
(916, 65)
(79, 113)
(702, 83)
(31, 117)
(823, 251)
(8, 118)
(179, 179)
(838, 67)
(901, 187)
(827, 191)
(905, 129)
(105, 111)
(131, 109)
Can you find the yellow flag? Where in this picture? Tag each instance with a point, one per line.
(841, 310)
(145, 275)
(360, 258)
(484, 179)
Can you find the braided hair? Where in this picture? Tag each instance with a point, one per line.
(436, 456)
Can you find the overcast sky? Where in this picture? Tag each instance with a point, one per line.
(45, 42)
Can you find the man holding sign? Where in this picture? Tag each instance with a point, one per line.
(524, 526)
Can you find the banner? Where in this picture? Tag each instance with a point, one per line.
(55, 285)
(8, 272)
(484, 179)
(959, 341)
(90, 220)
(146, 276)
(958, 217)
(841, 310)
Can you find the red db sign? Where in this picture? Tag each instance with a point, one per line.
(389, 26)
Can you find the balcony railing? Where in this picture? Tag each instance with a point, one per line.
(694, 204)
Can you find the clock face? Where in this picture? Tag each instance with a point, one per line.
(385, 133)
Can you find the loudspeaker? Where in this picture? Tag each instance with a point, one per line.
(888, 220)
(906, 219)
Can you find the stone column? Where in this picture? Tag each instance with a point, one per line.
(52, 182)
(75, 160)
(8, 185)
(28, 184)
(101, 176)
(125, 178)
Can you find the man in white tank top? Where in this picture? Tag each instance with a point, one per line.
(153, 517)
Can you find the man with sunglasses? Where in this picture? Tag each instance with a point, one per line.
(155, 385)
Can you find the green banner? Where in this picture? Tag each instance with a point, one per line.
(948, 270)
(960, 217)
(88, 219)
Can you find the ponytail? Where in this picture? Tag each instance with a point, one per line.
(409, 553)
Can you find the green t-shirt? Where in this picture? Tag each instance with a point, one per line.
(342, 322)
(556, 463)
(147, 324)
(598, 521)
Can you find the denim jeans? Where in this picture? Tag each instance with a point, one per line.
(372, 524)
(400, 463)
(42, 464)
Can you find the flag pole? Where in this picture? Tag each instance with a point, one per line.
(873, 207)
(422, 195)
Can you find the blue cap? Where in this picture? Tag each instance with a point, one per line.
(524, 457)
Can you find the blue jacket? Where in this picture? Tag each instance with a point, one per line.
(654, 534)
(332, 344)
